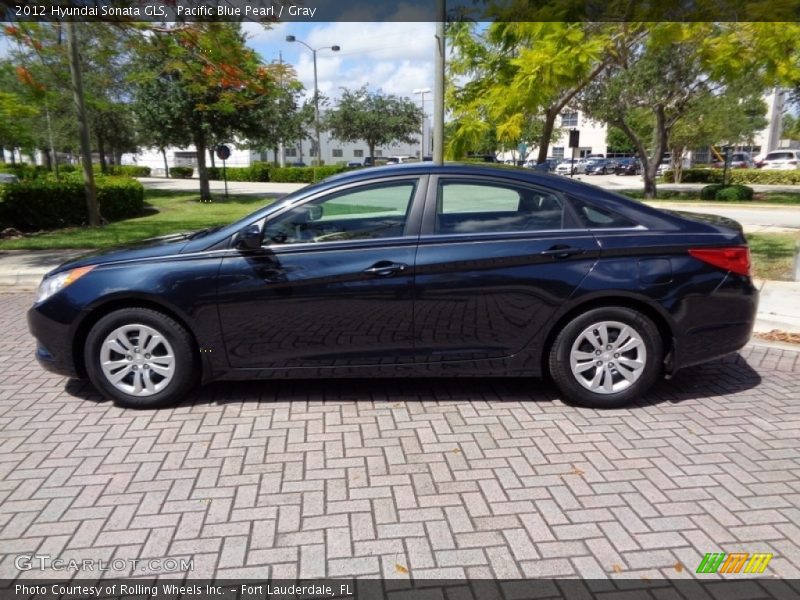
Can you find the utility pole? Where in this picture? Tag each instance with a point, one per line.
(438, 86)
(83, 124)
(281, 148)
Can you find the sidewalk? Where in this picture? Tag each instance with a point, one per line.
(24, 269)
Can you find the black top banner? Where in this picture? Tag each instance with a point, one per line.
(171, 11)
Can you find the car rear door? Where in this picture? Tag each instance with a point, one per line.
(331, 285)
(495, 260)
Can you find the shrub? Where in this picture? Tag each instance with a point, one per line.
(741, 176)
(765, 176)
(258, 171)
(48, 204)
(25, 171)
(303, 174)
(129, 170)
(695, 176)
(181, 172)
(734, 191)
(67, 168)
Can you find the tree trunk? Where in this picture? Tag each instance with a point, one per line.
(13, 158)
(677, 164)
(101, 150)
(166, 164)
(2, 154)
(48, 161)
(372, 152)
(83, 125)
(547, 134)
(211, 154)
(202, 173)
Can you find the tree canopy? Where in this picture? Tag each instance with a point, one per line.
(375, 118)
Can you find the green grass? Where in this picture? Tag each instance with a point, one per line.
(166, 212)
(779, 198)
(772, 254)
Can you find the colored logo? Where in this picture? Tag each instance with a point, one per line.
(737, 562)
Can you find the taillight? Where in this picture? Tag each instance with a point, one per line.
(734, 258)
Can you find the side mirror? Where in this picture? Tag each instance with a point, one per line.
(314, 213)
(248, 238)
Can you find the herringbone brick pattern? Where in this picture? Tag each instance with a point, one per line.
(401, 478)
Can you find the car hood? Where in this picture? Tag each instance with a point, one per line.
(152, 248)
(716, 220)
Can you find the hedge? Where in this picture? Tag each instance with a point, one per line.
(25, 171)
(740, 176)
(717, 191)
(50, 204)
(129, 170)
(258, 171)
(303, 174)
(181, 172)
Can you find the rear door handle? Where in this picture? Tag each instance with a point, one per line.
(562, 251)
(386, 268)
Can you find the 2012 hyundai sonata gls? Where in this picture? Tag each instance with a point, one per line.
(414, 270)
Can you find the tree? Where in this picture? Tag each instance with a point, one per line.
(727, 119)
(520, 76)
(790, 127)
(375, 118)
(673, 69)
(213, 85)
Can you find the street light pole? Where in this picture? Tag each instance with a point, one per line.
(438, 85)
(422, 92)
(334, 48)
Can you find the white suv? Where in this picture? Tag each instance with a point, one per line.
(781, 159)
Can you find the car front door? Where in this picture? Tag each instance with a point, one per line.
(495, 261)
(331, 285)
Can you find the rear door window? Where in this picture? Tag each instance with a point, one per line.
(487, 207)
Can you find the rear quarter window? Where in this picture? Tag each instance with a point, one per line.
(595, 217)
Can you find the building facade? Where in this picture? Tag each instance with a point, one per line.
(334, 152)
(593, 136)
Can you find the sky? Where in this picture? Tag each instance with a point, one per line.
(395, 58)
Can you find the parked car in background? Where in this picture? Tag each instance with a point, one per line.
(409, 270)
(628, 166)
(601, 166)
(8, 178)
(738, 160)
(577, 167)
(298, 163)
(781, 160)
(548, 165)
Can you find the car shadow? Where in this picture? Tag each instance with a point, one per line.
(730, 375)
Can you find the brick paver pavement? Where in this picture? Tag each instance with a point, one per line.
(399, 478)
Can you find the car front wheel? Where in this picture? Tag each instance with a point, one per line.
(606, 357)
(140, 358)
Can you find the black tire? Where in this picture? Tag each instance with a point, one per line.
(186, 365)
(569, 384)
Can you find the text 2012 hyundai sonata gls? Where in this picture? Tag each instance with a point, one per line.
(414, 270)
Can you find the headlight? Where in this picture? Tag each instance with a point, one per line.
(51, 285)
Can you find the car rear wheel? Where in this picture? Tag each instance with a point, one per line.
(140, 358)
(606, 357)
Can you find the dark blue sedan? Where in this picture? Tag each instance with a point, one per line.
(413, 270)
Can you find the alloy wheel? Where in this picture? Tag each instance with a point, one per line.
(608, 357)
(137, 360)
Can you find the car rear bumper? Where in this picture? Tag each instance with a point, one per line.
(722, 323)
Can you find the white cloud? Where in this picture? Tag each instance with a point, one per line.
(393, 57)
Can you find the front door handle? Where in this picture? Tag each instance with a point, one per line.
(386, 268)
(562, 251)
